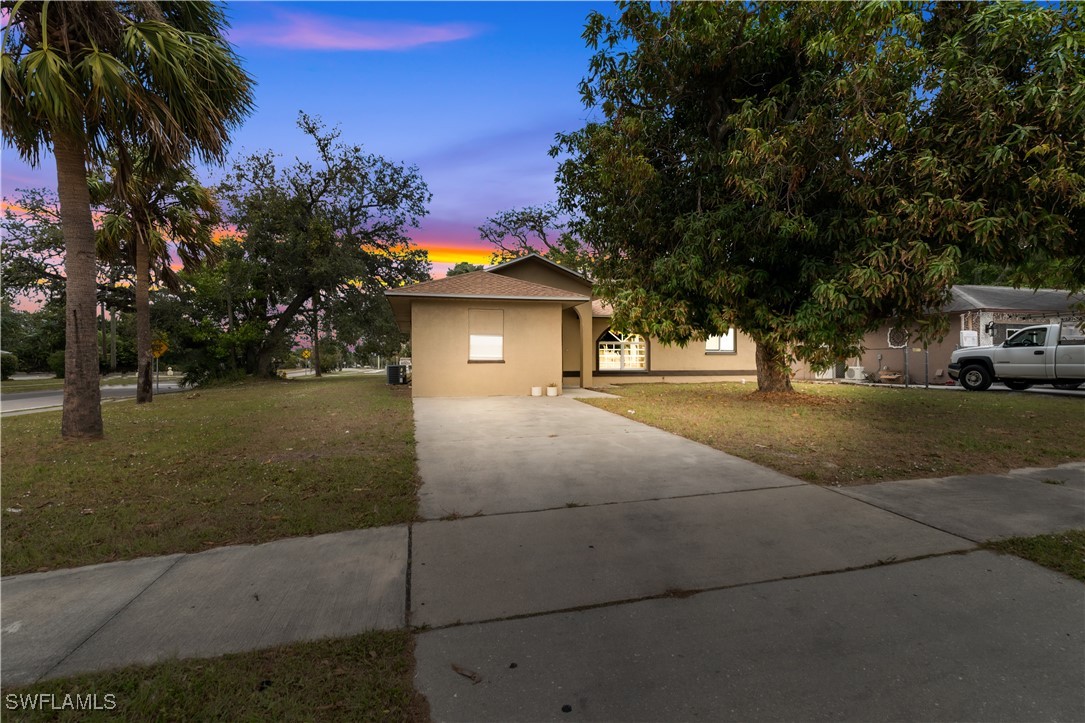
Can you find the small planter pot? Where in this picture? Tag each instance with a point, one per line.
(536, 391)
(551, 391)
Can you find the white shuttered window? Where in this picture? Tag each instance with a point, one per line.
(487, 334)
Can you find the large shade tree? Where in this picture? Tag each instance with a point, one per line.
(326, 237)
(83, 78)
(150, 215)
(803, 171)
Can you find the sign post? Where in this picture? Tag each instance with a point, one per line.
(158, 348)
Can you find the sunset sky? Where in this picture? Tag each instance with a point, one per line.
(471, 93)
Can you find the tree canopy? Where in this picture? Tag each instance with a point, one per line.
(330, 235)
(804, 171)
(464, 267)
(539, 230)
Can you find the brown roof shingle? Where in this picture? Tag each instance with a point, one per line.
(485, 285)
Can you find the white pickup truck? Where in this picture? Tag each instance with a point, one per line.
(1044, 354)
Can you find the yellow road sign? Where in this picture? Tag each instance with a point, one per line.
(158, 348)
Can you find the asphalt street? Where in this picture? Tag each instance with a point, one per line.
(52, 399)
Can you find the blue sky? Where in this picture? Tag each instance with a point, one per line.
(471, 93)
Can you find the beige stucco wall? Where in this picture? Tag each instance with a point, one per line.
(693, 357)
(439, 345)
(665, 358)
(570, 341)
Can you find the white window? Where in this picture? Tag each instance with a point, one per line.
(622, 352)
(725, 343)
(487, 335)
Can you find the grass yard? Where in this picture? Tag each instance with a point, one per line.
(242, 464)
(365, 678)
(1062, 551)
(844, 434)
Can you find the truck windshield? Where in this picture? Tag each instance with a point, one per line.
(1035, 336)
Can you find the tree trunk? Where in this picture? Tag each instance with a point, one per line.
(144, 381)
(230, 324)
(316, 334)
(266, 355)
(112, 340)
(82, 415)
(773, 369)
(103, 356)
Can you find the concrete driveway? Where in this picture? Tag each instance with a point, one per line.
(581, 566)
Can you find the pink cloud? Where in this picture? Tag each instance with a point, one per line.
(316, 32)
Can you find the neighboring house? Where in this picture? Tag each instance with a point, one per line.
(530, 322)
(978, 316)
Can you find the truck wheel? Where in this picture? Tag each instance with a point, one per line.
(1017, 386)
(1067, 387)
(975, 378)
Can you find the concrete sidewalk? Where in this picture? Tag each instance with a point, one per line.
(225, 600)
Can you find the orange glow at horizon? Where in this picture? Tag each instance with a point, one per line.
(442, 254)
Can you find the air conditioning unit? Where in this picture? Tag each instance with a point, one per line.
(856, 373)
(824, 374)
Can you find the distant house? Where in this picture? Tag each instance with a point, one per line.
(530, 322)
(978, 316)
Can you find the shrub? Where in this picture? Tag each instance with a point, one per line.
(55, 362)
(8, 363)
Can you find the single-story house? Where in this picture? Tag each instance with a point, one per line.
(529, 322)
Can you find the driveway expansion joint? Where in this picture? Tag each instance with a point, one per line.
(457, 517)
(842, 493)
(677, 594)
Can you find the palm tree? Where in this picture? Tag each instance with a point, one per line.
(148, 217)
(87, 77)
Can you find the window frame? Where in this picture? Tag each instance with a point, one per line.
(719, 339)
(624, 343)
(476, 325)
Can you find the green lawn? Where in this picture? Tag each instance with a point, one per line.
(242, 464)
(844, 434)
(365, 678)
(1062, 551)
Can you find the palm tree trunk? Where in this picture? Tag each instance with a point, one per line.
(82, 415)
(773, 369)
(144, 382)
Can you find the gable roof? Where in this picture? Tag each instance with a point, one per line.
(485, 285)
(1001, 298)
(537, 258)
